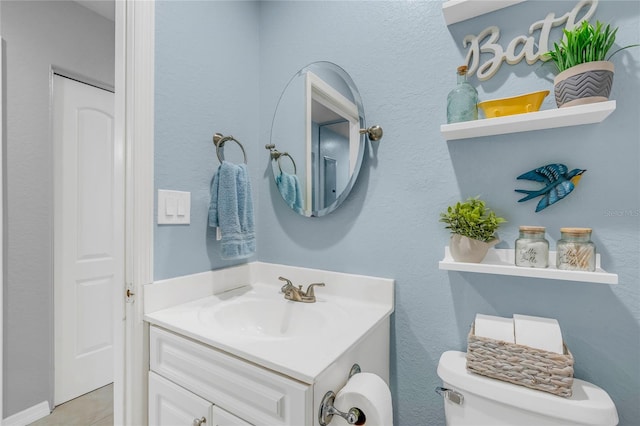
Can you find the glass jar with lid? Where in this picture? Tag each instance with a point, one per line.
(532, 248)
(575, 251)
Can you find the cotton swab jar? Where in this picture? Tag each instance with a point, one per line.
(575, 251)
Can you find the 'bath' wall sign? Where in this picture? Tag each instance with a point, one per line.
(521, 47)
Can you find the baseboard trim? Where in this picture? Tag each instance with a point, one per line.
(29, 415)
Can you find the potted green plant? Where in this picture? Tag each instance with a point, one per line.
(585, 71)
(473, 229)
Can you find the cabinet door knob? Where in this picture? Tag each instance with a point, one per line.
(199, 422)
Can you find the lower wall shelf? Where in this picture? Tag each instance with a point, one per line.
(502, 262)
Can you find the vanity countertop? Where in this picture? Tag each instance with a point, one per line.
(300, 340)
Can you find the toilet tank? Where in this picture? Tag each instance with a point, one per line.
(492, 402)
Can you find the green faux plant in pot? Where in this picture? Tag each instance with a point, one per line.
(585, 71)
(473, 227)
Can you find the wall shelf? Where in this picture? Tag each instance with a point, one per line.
(461, 10)
(501, 262)
(547, 119)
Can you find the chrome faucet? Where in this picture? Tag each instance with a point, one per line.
(296, 294)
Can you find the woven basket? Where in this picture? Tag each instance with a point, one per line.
(521, 365)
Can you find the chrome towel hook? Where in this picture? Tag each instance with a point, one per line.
(374, 133)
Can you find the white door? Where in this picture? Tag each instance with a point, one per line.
(88, 236)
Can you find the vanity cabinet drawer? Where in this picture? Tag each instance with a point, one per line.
(250, 392)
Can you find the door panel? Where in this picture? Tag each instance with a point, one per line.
(95, 182)
(93, 336)
(87, 230)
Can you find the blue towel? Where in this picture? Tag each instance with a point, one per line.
(231, 209)
(289, 187)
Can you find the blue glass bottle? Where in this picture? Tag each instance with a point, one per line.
(462, 102)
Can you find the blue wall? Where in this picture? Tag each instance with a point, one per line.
(206, 82)
(403, 57)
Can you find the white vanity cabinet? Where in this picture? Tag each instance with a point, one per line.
(189, 380)
(245, 355)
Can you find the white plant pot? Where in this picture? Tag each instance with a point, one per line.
(465, 249)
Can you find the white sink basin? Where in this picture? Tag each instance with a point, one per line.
(300, 340)
(268, 319)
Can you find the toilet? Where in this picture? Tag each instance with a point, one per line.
(474, 400)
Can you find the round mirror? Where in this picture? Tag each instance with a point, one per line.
(316, 145)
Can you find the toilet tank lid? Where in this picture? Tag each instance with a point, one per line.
(589, 404)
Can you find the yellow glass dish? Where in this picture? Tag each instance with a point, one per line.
(529, 102)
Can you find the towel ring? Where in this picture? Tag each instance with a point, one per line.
(286, 154)
(277, 155)
(219, 141)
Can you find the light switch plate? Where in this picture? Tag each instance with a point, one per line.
(174, 207)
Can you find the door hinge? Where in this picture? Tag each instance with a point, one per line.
(129, 296)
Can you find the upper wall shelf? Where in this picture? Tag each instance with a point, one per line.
(461, 10)
(502, 262)
(547, 119)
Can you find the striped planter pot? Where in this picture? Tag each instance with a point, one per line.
(584, 84)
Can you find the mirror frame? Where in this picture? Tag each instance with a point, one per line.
(318, 90)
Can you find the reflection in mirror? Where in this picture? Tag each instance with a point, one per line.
(317, 148)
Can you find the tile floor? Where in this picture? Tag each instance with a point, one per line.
(92, 409)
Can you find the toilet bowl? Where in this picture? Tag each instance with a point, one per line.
(475, 400)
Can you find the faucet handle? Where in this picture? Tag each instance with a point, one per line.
(287, 286)
(310, 292)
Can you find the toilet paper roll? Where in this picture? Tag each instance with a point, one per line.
(371, 395)
(538, 332)
(497, 328)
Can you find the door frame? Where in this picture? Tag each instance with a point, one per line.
(1, 216)
(134, 122)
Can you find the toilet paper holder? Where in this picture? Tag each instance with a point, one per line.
(327, 410)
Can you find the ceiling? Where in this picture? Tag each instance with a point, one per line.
(105, 8)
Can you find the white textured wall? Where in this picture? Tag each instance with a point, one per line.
(37, 34)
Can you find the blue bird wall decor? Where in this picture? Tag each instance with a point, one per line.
(558, 183)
